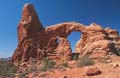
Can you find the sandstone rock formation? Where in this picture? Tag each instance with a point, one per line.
(37, 42)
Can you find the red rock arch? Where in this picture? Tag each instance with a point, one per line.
(36, 41)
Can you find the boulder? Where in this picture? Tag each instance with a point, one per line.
(91, 71)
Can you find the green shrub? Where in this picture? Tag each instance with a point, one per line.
(101, 60)
(104, 59)
(85, 61)
(47, 64)
(43, 69)
(7, 69)
(75, 57)
(118, 52)
(33, 68)
(65, 64)
(35, 74)
(23, 74)
(51, 64)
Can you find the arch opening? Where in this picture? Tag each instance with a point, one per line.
(73, 38)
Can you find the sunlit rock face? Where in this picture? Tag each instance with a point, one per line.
(37, 42)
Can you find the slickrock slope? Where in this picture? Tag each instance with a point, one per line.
(35, 41)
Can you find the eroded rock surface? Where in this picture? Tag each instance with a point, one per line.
(35, 41)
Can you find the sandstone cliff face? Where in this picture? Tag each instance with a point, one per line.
(35, 41)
